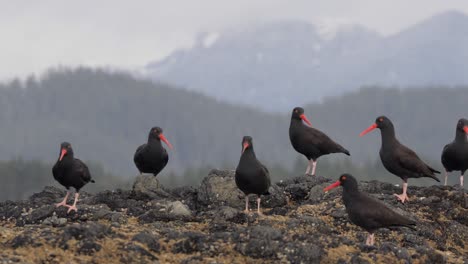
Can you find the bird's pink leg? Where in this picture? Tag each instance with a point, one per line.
(246, 204)
(64, 202)
(73, 207)
(403, 197)
(314, 165)
(258, 206)
(446, 176)
(461, 181)
(368, 240)
(308, 168)
(372, 239)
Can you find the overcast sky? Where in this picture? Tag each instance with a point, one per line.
(36, 35)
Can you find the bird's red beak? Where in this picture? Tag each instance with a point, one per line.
(465, 128)
(332, 186)
(245, 146)
(62, 153)
(304, 117)
(163, 138)
(369, 129)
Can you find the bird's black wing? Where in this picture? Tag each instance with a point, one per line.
(376, 214)
(409, 160)
(138, 155)
(83, 171)
(323, 142)
(267, 175)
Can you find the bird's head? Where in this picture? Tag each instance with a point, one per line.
(462, 125)
(65, 150)
(157, 133)
(347, 181)
(246, 143)
(381, 122)
(298, 114)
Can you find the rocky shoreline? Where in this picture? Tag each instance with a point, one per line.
(301, 224)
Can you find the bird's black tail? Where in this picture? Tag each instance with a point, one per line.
(345, 151)
(433, 177)
(411, 226)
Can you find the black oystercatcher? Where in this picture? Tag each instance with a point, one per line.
(70, 172)
(152, 157)
(455, 154)
(366, 212)
(251, 176)
(309, 141)
(397, 158)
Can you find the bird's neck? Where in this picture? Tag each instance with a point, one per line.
(296, 123)
(348, 194)
(154, 142)
(388, 136)
(66, 160)
(248, 155)
(460, 136)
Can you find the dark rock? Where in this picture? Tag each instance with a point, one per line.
(259, 248)
(89, 247)
(265, 232)
(316, 193)
(49, 196)
(431, 199)
(278, 211)
(298, 188)
(148, 187)
(378, 187)
(194, 243)
(303, 252)
(188, 195)
(163, 215)
(339, 213)
(219, 188)
(402, 253)
(23, 240)
(356, 259)
(148, 239)
(36, 215)
(177, 208)
(140, 253)
(54, 221)
(276, 198)
(87, 231)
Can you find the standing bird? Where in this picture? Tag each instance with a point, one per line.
(309, 141)
(70, 172)
(251, 175)
(152, 157)
(397, 158)
(367, 212)
(455, 155)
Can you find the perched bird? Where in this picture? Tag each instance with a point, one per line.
(397, 158)
(310, 142)
(70, 172)
(152, 157)
(251, 176)
(366, 212)
(455, 155)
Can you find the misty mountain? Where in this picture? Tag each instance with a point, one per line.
(278, 65)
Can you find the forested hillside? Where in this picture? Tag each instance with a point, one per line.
(107, 115)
